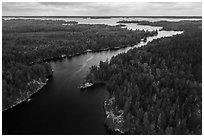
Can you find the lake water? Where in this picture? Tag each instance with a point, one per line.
(61, 107)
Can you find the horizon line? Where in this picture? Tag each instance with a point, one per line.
(196, 16)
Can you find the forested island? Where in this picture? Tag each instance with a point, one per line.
(26, 44)
(156, 89)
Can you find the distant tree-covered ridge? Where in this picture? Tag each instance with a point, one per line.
(25, 42)
(156, 89)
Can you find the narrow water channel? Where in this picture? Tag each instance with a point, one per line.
(61, 107)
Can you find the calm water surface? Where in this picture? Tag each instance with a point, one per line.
(61, 107)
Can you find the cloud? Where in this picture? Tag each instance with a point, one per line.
(100, 8)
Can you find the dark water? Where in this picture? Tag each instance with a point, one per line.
(60, 107)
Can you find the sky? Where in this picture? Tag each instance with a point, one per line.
(101, 9)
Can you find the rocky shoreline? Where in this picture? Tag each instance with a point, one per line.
(29, 94)
(115, 118)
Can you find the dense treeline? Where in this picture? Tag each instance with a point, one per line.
(158, 86)
(31, 25)
(43, 36)
(20, 81)
(27, 41)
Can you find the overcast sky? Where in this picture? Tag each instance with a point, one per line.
(100, 9)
